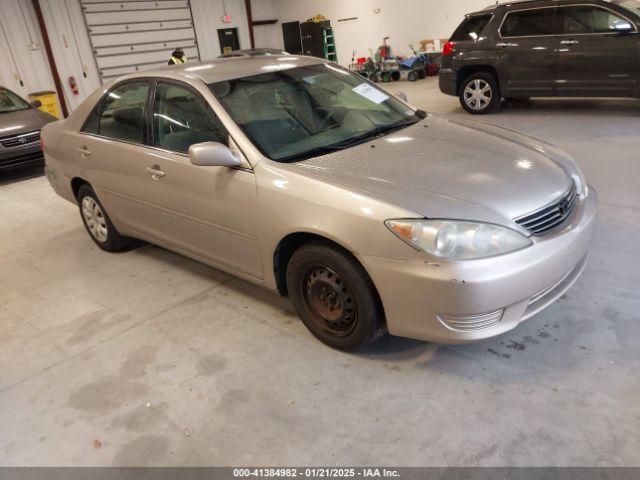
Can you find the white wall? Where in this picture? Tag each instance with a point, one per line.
(405, 21)
(269, 36)
(207, 17)
(71, 48)
(20, 38)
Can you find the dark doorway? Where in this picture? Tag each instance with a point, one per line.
(228, 40)
(291, 36)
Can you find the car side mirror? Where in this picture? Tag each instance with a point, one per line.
(402, 96)
(36, 104)
(621, 26)
(213, 154)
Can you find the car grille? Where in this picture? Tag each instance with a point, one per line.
(21, 160)
(20, 140)
(550, 217)
(471, 323)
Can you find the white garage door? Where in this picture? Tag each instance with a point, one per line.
(128, 36)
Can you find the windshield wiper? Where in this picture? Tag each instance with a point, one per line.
(369, 135)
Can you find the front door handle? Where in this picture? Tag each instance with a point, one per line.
(155, 172)
(569, 42)
(506, 44)
(84, 152)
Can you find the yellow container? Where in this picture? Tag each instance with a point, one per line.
(49, 100)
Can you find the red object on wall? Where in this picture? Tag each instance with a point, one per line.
(73, 85)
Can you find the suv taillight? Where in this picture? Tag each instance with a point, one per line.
(448, 48)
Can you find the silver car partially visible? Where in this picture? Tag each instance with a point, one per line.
(297, 175)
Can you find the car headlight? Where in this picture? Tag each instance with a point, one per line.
(582, 188)
(458, 240)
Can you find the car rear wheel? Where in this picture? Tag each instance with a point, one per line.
(98, 223)
(479, 94)
(334, 297)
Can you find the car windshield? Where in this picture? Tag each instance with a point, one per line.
(294, 114)
(10, 102)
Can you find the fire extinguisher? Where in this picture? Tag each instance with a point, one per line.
(73, 85)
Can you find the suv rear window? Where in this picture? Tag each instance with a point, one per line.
(529, 23)
(470, 28)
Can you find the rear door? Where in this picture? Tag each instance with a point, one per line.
(594, 60)
(527, 48)
(111, 151)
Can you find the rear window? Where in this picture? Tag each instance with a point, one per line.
(529, 23)
(471, 28)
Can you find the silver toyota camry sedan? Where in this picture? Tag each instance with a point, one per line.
(298, 175)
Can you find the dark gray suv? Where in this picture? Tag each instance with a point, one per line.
(534, 48)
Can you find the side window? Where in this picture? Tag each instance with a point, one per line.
(586, 19)
(182, 118)
(529, 23)
(91, 125)
(470, 28)
(121, 113)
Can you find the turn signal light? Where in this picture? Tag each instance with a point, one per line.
(448, 48)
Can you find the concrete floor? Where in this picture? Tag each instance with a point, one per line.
(147, 358)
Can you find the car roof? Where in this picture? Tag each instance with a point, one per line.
(221, 69)
(542, 3)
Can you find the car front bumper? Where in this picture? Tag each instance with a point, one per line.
(22, 157)
(466, 301)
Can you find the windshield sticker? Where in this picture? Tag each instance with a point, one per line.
(370, 93)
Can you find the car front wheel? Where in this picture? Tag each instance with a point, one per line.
(334, 297)
(479, 94)
(98, 223)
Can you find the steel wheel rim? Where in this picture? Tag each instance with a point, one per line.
(94, 219)
(478, 94)
(329, 300)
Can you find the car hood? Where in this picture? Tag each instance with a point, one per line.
(445, 169)
(22, 121)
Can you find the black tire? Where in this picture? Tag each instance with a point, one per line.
(385, 77)
(374, 77)
(100, 223)
(335, 297)
(422, 74)
(412, 76)
(395, 75)
(480, 82)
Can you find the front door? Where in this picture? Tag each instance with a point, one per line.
(594, 60)
(527, 49)
(228, 40)
(207, 212)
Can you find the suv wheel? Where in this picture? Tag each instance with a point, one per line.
(479, 93)
(334, 297)
(98, 223)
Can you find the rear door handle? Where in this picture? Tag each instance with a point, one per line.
(155, 172)
(569, 42)
(506, 44)
(84, 152)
